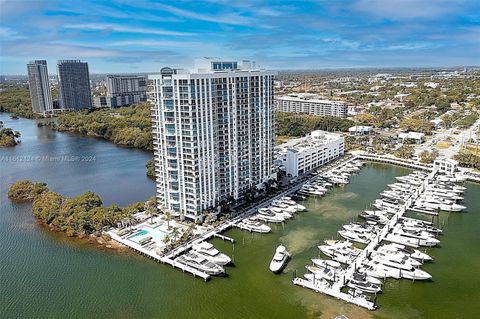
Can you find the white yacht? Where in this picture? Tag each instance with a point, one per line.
(266, 215)
(201, 263)
(328, 273)
(362, 238)
(412, 241)
(365, 286)
(208, 251)
(280, 212)
(279, 259)
(345, 255)
(414, 253)
(254, 226)
(326, 263)
(394, 259)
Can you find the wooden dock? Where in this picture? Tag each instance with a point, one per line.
(335, 292)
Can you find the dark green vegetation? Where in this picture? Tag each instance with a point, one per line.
(127, 126)
(405, 151)
(81, 215)
(16, 100)
(468, 157)
(290, 124)
(8, 137)
(26, 190)
(150, 168)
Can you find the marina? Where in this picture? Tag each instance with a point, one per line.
(423, 191)
(419, 191)
(143, 288)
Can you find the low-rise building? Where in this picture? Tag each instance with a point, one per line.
(360, 130)
(304, 154)
(416, 137)
(311, 104)
(447, 166)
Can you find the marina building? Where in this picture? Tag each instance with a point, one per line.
(39, 87)
(304, 154)
(123, 90)
(74, 85)
(311, 104)
(447, 166)
(213, 134)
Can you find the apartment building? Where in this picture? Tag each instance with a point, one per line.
(304, 154)
(311, 104)
(74, 85)
(39, 87)
(213, 134)
(123, 90)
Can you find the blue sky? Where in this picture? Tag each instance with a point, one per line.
(143, 36)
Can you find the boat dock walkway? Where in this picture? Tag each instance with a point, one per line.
(215, 232)
(334, 292)
(152, 254)
(335, 289)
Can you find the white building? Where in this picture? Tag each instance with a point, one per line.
(360, 130)
(417, 137)
(311, 104)
(447, 166)
(307, 153)
(213, 134)
(123, 90)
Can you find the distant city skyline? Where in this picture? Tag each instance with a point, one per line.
(143, 36)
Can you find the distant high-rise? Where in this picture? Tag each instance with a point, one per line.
(74, 84)
(213, 134)
(123, 90)
(39, 87)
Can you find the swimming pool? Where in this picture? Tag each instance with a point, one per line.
(156, 234)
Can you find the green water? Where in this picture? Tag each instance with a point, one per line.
(45, 275)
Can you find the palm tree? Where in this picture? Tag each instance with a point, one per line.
(175, 233)
(151, 208)
(168, 217)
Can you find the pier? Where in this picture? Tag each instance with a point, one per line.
(335, 289)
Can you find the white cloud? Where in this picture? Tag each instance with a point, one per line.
(121, 28)
(223, 18)
(9, 34)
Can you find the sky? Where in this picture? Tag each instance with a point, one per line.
(119, 36)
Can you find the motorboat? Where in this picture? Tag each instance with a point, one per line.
(394, 259)
(358, 294)
(363, 277)
(328, 273)
(280, 212)
(326, 263)
(197, 261)
(410, 225)
(412, 241)
(365, 286)
(266, 215)
(360, 228)
(208, 251)
(279, 259)
(344, 255)
(361, 238)
(427, 226)
(414, 253)
(377, 270)
(376, 216)
(254, 226)
(429, 202)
